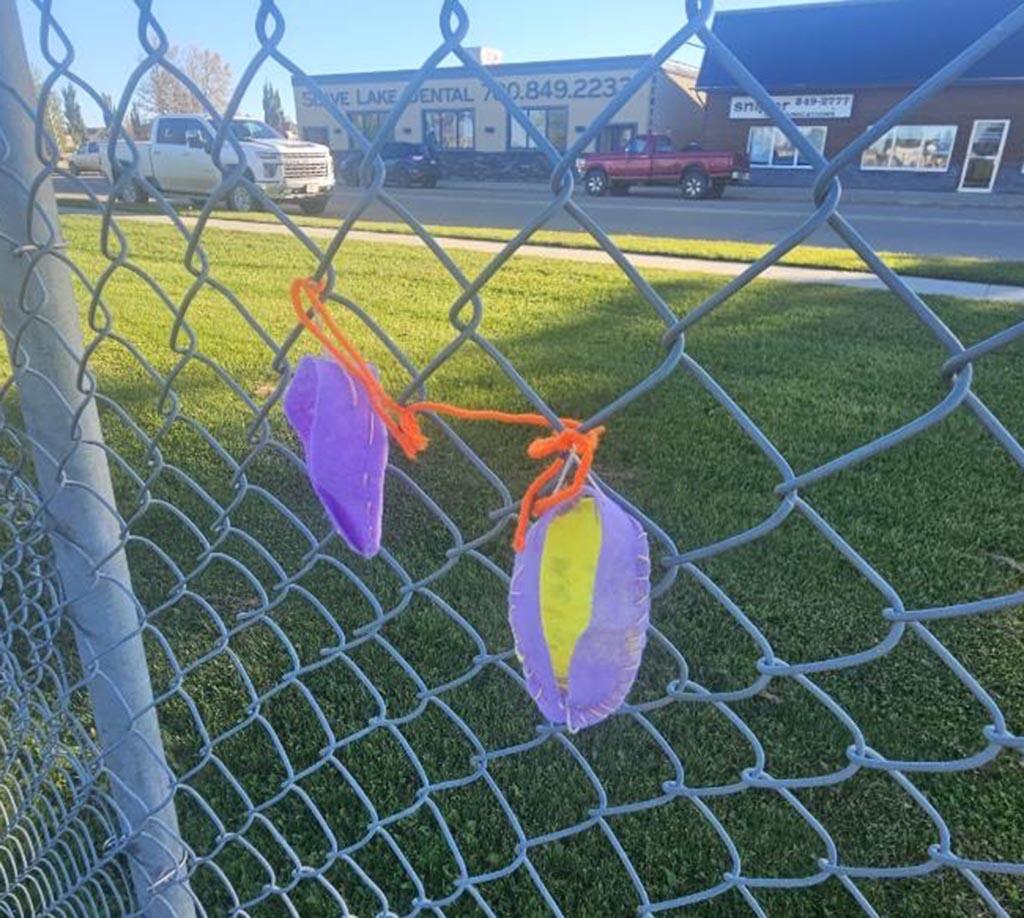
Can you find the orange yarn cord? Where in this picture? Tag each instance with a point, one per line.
(404, 427)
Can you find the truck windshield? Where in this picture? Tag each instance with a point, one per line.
(245, 129)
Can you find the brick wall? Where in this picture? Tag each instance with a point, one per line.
(959, 105)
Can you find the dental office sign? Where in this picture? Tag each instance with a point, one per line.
(809, 105)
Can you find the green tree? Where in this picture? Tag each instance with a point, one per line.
(53, 120)
(108, 103)
(73, 115)
(136, 125)
(273, 110)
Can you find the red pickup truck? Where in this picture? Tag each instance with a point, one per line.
(650, 159)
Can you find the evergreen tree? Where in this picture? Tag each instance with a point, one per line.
(108, 103)
(273, 110)
(136, 126)
(73, 115)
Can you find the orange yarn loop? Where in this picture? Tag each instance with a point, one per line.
(404, 426)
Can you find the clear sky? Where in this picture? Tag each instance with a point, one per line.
(331, 36)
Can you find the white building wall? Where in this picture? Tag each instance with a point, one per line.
(583, 92)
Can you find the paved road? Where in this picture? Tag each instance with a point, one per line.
(936, 229)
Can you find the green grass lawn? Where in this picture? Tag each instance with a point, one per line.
(979, 270)
(286, 709)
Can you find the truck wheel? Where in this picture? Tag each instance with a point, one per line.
(694, 184)
(241, 199)
(619, 189)
(596, 182)
(132, 194)
(313, 206)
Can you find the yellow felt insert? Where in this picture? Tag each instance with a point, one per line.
(568, 568)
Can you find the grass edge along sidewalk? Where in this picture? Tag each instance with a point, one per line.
(943, 267)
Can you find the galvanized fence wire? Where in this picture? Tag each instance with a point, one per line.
(69, 843)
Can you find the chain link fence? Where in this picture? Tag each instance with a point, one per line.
(208, 706)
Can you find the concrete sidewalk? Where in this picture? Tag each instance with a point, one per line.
(923, 286)
(895, 198)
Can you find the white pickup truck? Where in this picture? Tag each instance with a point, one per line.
(177, 160)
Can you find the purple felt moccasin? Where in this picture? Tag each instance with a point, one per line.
(346, 448)
(579, 605)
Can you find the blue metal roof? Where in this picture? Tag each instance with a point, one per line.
(861, 43)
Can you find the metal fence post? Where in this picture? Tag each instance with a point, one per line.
(41, 325)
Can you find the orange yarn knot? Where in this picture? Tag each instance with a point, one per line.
(400, 420)
(571, 441)
(403, 424)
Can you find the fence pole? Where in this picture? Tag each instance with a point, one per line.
(41, 326)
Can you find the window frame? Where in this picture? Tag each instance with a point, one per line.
(356, 118)
(427, 112)
(824, 140)
(776, 132)
(510, 123)
(927, 170)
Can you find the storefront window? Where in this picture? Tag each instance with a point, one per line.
(760, 144)
(768, 146)
(783, 152)
(936, 150)
(553, 123)
(558, 127)
(988, 140)
(369, 123)
(816, 135)
(906, 151)
(450, 130)
(914, 147)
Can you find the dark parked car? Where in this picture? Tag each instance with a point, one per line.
(407, 164)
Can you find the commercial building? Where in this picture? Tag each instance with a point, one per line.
(838, 67)
(473, 132)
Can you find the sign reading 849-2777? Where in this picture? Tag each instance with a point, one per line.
(809, 105)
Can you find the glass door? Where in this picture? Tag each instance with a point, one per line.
(984, 152)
